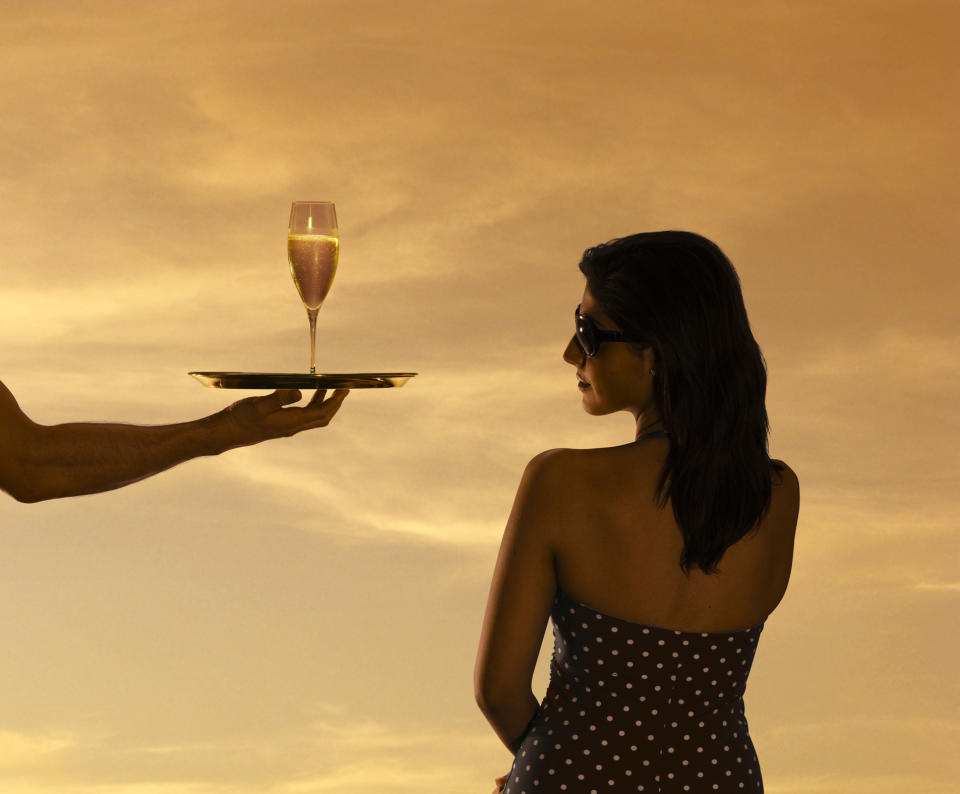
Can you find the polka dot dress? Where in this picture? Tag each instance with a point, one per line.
(637, 708)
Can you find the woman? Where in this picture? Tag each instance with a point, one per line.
(659, 560)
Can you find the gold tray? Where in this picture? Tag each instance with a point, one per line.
(293, 380)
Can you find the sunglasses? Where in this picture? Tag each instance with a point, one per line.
(589, 337)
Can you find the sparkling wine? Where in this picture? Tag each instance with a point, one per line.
(313, 264)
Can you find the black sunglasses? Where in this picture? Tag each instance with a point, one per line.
(589, 337)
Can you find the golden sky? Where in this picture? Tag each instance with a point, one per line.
(301, 617)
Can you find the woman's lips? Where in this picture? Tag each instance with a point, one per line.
(581, 383)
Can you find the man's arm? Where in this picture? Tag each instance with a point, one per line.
(40, 462)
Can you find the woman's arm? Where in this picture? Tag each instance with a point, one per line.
(521, 595)
(40, 462)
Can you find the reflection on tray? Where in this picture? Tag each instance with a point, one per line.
(293, 380)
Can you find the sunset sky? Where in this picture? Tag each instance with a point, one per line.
(301, 617)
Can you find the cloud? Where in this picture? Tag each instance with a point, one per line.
(878, 356)
(20, 750)
(865, 783)
(382, 777)
(389, 757)
(845, 749)
(939, 587)
(28, 786)
(861, 411)
(338, 753)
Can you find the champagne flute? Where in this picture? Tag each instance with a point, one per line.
(313, 247)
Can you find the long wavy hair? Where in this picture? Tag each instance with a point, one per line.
(679, 292)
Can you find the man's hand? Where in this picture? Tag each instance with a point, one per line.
(257, 419)
(40, 462)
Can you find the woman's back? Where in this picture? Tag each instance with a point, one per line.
(618, 551)
(649, 664)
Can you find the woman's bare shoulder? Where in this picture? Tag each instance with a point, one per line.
(785, 479)
(557, 471)
(551, 464)
(785, 496)
(565, 483)
(564, 462)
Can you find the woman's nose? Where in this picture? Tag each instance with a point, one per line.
(572, 354)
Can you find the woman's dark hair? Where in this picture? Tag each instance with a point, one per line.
(678, 291)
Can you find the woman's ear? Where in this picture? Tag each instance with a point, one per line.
(651, 359)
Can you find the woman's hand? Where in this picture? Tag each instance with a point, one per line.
(500, 782)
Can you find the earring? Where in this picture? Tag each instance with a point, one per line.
(653, 372)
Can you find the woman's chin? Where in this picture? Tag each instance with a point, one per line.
(589, 403)
(596, 407)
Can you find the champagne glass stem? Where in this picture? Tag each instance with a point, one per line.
(312, 316)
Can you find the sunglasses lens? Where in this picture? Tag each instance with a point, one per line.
(586, 335)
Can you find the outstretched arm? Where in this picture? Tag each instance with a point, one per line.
(40, 462)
